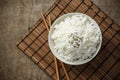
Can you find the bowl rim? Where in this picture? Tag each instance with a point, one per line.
(58, 56)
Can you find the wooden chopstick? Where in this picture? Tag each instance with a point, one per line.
(45, 22)
(56, 68)
(64, 69)
(62, 64)
(56, 64)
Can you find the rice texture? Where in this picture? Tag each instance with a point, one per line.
(76, 38)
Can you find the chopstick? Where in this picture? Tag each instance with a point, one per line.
(62, 64)
(64, 69)
(56, 64)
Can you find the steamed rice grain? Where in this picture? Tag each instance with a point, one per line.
(76, 38)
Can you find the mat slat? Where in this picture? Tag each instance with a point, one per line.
(104, 66)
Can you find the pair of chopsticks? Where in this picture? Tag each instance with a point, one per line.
(56, 63)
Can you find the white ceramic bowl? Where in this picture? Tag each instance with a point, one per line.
(51, 43)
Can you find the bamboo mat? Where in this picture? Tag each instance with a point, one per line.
(104, 66)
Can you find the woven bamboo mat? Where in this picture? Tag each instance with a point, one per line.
(104, 66)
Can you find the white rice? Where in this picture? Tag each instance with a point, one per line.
(76, 38)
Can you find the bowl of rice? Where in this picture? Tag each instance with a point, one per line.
(75, 38)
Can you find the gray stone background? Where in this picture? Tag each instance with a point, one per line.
(16, 16)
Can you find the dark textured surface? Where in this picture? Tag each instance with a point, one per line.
(16, 16)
